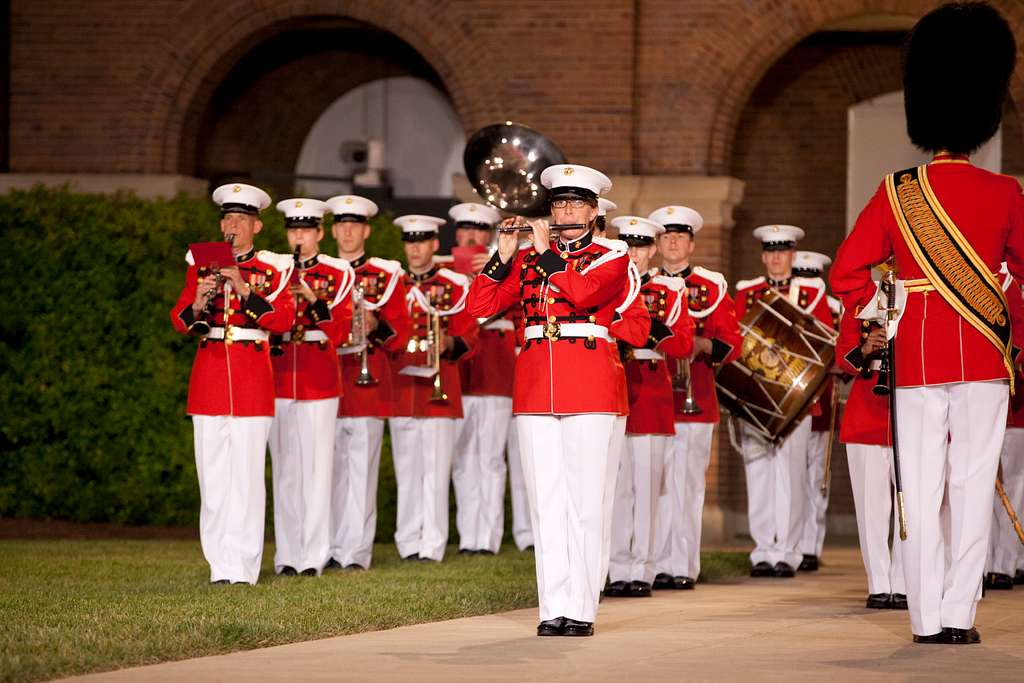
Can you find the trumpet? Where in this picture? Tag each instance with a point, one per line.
(437, 394)
(359, 338)
(683, 382)
(201, 327)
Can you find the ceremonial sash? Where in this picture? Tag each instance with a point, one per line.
(948, 260)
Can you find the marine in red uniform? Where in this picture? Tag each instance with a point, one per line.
(949, 225)
(777, 474)
(565, 394)
(649, 426)
(231, 390)
(811, 265)
(428, 396)
(478, 465)
(865, 431)
(717, 340)
(380, 332)
(307, 384)
(1005, 548)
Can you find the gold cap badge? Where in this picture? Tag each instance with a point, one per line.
(568, 170)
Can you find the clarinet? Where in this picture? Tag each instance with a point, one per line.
(201, 327)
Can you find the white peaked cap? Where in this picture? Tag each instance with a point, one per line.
(351, 207)
(483, 215)
(635, 226)
(241, 198)
(779, 236)
(414, 223)
(564, 179)
(811, 260)
(678, 219)
(604, 206)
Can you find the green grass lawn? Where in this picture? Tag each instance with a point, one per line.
(69, 607)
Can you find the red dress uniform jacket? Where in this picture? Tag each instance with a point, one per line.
(307, 367)
(820, 423)
(713, 313)
(647, 375)
(575, 283)
(934, 344)
(445, 291)
(866, 417)
(631, 325)
(489, 371)
(383, 287)
(235, 377)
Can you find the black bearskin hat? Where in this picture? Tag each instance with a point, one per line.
(956, 74)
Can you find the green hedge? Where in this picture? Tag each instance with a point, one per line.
(94, 379)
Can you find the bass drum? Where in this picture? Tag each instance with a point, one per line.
(783, 367)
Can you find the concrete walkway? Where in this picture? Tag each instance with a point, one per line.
(811, 627)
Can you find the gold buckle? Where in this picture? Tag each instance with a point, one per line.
(298, 334)
(552, 330)
(229, 335)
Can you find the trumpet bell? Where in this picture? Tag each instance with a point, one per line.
(504, 161)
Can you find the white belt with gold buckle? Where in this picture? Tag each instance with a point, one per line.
(559, 330)
(238, 334)
(310, 336)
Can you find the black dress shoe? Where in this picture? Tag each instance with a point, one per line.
(355, 568)
(485, 552)
(762, 569)
(639, 589)
(578, 628)
(879, 601)
(289, 571)
(683, 583)
(663, 582)
(551, 627)
(995, 581)
(934, 639)
(332, 564)
(898, 601)
(1018, 578)
(783, 571)
(220, 582)
(616, 589)
(427, 560)
(809, 563)
(466, 551)
(961, 636)
(528, 549)
(412, 558)
(308, 572)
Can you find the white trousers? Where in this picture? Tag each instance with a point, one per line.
(681, 508)
(302, 458)
(812, 539)
(566, 465)
(973, 414)
(1005, 547)
(422, 451)
(617, 451)
(522, 526)
(231, 457)
(357, 442)
(478, 471)
(871, 478)
(776, 485)
(639, 484)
